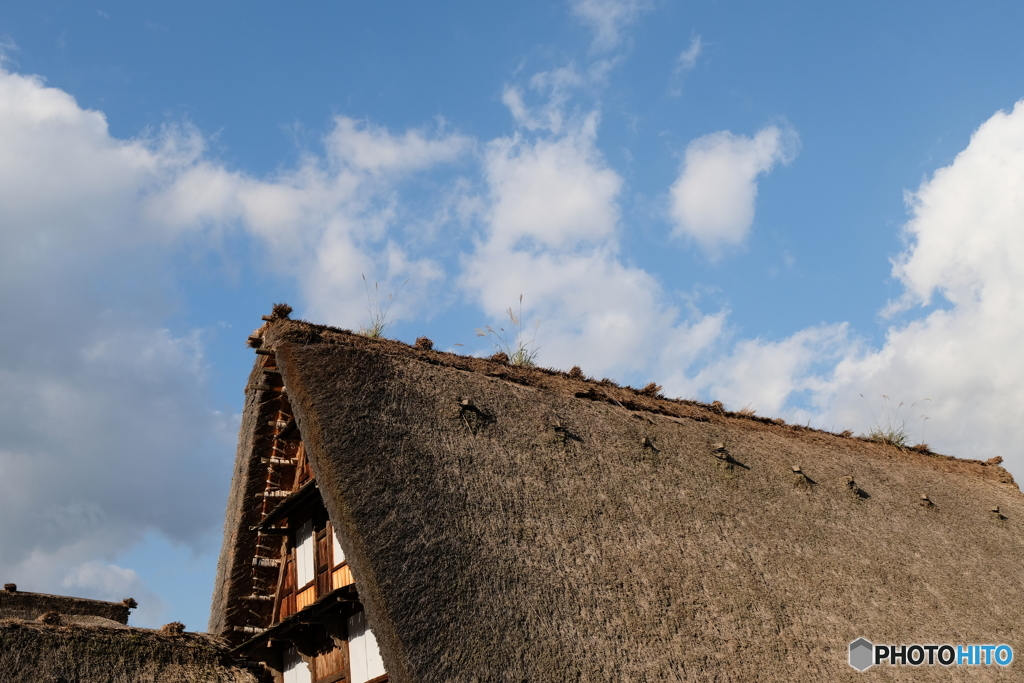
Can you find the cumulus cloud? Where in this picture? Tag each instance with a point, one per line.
(105, 415)
(328, 220)
(608, 18)
(550, 232)
(712, 201)
(551, 191)
(960, 363)
(965, 244)
(108, 432)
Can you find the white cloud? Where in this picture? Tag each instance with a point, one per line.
(687, 59)
(550, 234)
(556, 87)
(367, 147)
(685, 62)
(608, 18)
(552, 191)
(768, 374)
(106, 418)
(713, 199)
(103, 581)
(965, 235)
(93, 452)
(328, 220)
(961, 365)
(965, 242)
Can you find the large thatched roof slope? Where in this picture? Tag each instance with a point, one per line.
(506, 524)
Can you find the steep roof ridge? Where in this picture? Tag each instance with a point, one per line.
(280, 328)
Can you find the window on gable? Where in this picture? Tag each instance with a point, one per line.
(339, 556)
(295, 669)
(304, 563)
(364, 658)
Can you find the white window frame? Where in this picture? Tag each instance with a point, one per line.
(295, 668)
(305, 560)
(365, 662)
(338, 553)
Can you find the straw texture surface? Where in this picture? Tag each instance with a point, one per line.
(41, 653)
(506, 524)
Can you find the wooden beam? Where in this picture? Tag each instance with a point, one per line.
(266, 562)
(248, 629)
(277, 493)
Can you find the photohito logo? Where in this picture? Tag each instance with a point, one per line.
(864, 654)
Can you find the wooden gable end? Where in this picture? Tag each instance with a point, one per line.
(293, 593)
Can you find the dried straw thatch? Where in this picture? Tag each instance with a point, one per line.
(16, 604)
(506, 524)
(36, 652)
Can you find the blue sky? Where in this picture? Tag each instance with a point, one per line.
(777, 205)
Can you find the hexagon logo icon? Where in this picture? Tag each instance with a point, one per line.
(861, 654)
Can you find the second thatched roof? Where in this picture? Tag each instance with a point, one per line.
(70, 651)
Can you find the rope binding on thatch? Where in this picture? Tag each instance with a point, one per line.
(801, 478)
(856, 490)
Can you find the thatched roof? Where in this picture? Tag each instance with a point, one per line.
(71, 652)
(15, 604)
(507, 524)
